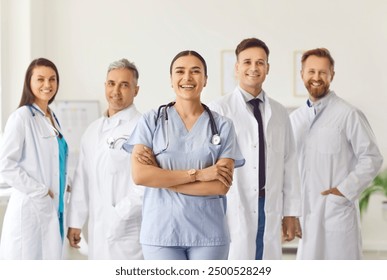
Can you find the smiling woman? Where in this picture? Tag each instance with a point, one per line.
(33, 161)
(186, 172)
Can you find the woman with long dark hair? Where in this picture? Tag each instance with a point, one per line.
(33, 159)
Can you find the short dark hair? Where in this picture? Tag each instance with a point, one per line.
(251, 43)
(319, 52)
(28, 98)
(186, 53)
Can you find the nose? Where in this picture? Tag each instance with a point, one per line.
(254, 66)
(187, 76)
(316, 76)
(117, 88)
(47, 83)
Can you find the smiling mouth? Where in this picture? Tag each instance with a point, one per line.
(316, 84)
(253, 75)
(187, 86)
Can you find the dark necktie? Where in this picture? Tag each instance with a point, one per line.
(257, 114)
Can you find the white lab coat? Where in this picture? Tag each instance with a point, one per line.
(29, 163)
(103, 191)
(336, 148)
(282, 181)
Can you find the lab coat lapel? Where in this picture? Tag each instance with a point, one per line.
(267, 111)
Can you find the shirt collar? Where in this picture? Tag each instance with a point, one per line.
(320, 104)
(247, 96)
(123, 115)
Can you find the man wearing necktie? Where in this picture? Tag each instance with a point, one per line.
(264, 200)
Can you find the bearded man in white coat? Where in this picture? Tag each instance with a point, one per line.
(338, 158)
(103, 192)
(255, 210)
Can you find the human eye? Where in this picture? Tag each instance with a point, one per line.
(124, 85)
(110, 83)
(261, 63)
(53, 79)
(196, 71)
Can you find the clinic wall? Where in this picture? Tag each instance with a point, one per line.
(15, 52)
(83, 37)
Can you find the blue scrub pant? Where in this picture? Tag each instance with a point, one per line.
(185, 253)
(261, 229)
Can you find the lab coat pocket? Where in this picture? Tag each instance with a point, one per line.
(329, 140)
(340, 214)
(119, 228)
(42, 205)
(119, 160)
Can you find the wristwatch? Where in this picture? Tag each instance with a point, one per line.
(192, 174)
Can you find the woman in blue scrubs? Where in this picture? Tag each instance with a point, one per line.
(185, 155)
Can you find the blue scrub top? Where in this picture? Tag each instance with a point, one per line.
(174, 219)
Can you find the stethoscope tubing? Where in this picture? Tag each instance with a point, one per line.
(32, 108)
(215, 139)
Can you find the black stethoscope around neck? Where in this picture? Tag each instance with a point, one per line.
(33, 111)
(215, 138)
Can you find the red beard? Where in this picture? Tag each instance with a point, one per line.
(317, 92)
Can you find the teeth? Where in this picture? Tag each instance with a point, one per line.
(187, 86)
(315, 84)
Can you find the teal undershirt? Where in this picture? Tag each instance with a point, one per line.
(63, 152)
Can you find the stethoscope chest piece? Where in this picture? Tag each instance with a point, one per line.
(110, 141)
(215, 139)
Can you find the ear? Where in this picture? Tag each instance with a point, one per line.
(268, 68)
(136, 90)
(333, 74)
(236, 68)
(205, 82)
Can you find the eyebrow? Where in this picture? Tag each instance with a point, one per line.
(193, 68)
(53, 76)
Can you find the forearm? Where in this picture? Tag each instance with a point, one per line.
(152, 176)
(213, 180)
(202, 188)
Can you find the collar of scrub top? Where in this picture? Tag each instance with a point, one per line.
(162, 113)
(35, 108)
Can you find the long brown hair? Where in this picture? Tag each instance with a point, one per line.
(28, 97)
